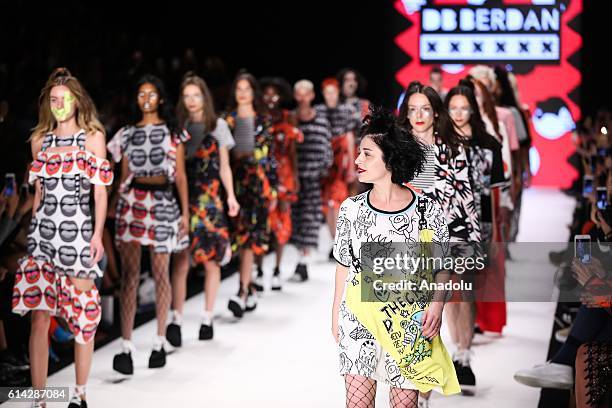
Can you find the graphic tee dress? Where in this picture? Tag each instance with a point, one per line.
(361, 352)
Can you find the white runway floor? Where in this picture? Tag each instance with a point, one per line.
(283, 354)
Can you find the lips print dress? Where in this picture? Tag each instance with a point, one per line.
(59, 237)
(149, 217)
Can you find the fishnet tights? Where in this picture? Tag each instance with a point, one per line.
(130, 266)
(361, 393)
(400, 398)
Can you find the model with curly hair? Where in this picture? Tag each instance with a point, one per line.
(401, 345)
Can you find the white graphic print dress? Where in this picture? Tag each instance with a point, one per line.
(149, 216)
(359, 222)
(62, 227)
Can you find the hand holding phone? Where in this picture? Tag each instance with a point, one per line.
(9, 184)
(582, 248)
(602, 198)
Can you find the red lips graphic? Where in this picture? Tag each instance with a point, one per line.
(16, 297)
(121, 227)
(53, 164)
(89, 330)
(32, 297)
(73, 325)
(68, 163)
(137, 229)
(31, 271)
(65, 296)
(92, 166)
(48, 272)
(106, 173)
(139, 210)
(80, 159)
(77, 308)
(92, 310)
(124, 207)
(50, 297)
(18, 277)
(140, 194)
(39, 162)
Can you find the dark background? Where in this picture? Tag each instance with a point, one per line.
(307, 39)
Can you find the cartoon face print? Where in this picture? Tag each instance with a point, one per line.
(366, 218)
(401, 222)
(367, 360)
(393, 372)
(345, 363)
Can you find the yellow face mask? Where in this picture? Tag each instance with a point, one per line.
(63, 113)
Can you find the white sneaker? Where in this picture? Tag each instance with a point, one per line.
(562, 334)
(258, 283)
(423, 403)
(276, 283)
(547, 375)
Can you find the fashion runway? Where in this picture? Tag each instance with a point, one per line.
(283, 354)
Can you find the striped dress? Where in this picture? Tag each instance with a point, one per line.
(314, 159)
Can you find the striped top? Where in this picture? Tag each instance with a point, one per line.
(314, 153)
(244, 135)
(425, 180)
(342, 119)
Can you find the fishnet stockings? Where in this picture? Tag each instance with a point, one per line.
(163, 292)
(360, 391)
(130, 276)
(130, 266)
(400, 398)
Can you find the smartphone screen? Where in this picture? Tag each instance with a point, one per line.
(9, 184)
(587, 186)
(602, 198)
(582, 248)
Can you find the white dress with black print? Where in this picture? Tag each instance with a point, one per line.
(62, 226)
(359, 222)
(60, 236)
(149, 217)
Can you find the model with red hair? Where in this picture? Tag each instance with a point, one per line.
(344, 121)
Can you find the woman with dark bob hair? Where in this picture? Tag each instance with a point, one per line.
(388, 340)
